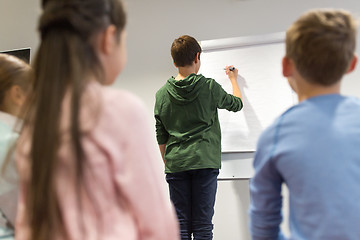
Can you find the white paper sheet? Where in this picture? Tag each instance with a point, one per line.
(266, 93)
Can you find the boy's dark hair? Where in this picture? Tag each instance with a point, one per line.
(322, 45)
(184, 50)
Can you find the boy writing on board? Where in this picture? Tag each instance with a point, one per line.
(314, 146)
(189, 137)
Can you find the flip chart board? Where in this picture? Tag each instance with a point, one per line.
(265, 92)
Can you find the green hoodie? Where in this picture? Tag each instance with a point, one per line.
(187, 122)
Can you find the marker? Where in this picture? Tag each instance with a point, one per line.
(231, 68)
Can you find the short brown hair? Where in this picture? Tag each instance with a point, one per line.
(184, 50)
(322, 43)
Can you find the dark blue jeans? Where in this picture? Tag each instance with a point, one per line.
(193, 195)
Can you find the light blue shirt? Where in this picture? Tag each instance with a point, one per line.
(7, 188)
(7, 137)
(314, 148)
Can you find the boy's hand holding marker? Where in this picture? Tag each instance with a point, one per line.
(232, 73)
(231, 68)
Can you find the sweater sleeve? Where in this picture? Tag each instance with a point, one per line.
(225, 100)
(265, 189)
(140, 179)
(161, 134)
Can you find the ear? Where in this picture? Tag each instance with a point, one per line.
(174, 63)
(197, 57)
(287, 67)
(17, 95)
(352, 64)
(108, 39)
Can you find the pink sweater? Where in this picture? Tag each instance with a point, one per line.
(125, 178)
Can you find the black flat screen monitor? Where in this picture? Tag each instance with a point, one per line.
(23, 54)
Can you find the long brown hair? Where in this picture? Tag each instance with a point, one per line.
(65, 59)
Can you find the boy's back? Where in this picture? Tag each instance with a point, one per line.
(314, 149)
(187, 111)
(189, 137)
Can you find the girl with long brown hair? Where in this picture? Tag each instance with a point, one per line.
(85, 156)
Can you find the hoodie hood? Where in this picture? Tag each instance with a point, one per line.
(186, 90)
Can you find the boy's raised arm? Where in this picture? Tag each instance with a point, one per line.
(233, 74)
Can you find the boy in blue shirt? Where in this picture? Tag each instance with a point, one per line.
(314, 146)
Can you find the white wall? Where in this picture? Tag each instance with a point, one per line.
(18, 19)
(152, 26)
